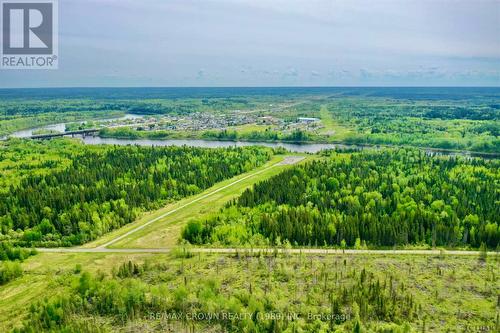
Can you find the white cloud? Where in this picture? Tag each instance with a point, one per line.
(177, 42)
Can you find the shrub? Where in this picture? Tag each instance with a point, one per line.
(9, 271)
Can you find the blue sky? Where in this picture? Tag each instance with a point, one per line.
(273, 43)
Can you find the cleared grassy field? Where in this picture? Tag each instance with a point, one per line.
(46, 274)
(166, 231)
(248, 128)
(449, 293)
(331, 127)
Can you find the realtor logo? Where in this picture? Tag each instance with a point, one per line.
(29, 34)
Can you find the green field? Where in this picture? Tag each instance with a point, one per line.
(447, 293)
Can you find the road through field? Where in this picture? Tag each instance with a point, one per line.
(286, 161)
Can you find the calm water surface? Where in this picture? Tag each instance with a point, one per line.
(293, 147)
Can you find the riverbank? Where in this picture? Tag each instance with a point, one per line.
(25, 126)
(308, 144)
(328, 144)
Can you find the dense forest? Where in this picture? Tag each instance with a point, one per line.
(373, 198)
(471, 124)
(93, 190)
(63, 105)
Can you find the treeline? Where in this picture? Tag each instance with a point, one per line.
(226, 135)
(58, 105)
(186, 105)
(11, 253)
(103, 188)
(478, 139)
(381, 198)
(486, 112)
(9, 124)
(11, 108)
(267, 135)
(471, 124)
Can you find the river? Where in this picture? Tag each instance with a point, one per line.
(61, 127)
(95, 140)
(293, 147)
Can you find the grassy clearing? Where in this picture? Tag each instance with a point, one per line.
(450, 293)
(331, 127)
(166, 232)
(248, 128)
(148, 216)
(46, 274)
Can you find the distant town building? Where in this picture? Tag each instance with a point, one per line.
(307, 120)
(268, 120)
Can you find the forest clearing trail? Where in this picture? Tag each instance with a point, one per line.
(285, 161)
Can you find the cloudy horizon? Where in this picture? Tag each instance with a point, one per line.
(183, 43)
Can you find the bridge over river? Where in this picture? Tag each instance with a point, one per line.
(72, 133)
